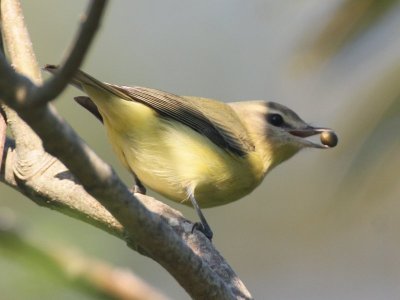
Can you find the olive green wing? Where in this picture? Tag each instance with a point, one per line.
(213, 119)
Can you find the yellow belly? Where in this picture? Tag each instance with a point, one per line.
(172, 159)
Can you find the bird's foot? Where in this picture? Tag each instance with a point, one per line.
(206, 230)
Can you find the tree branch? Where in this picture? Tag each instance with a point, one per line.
(68, 265)
(3, 132)
(166, 238)
(20, 50)
(90, 23)
(57, 189)
(17, 42)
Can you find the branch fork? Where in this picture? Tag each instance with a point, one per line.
(61, 172)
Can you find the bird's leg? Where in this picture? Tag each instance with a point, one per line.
(138, 187)
(202, 225)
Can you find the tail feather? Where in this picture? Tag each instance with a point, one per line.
(53, 70)
(81, 79)
(87, 103)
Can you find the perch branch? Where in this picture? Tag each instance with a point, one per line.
(190, 258)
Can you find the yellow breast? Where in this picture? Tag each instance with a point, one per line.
(172, 159)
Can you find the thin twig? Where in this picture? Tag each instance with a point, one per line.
(17, 41)
(90, 24)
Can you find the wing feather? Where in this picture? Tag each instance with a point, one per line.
(215, 120)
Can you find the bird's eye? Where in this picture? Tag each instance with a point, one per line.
(275, 119)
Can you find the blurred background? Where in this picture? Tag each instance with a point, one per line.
(324, 225)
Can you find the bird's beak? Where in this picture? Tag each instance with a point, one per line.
(328, 137)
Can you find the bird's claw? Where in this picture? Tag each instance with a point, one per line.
(206, 231)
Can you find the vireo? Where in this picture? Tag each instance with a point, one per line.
(195, 150)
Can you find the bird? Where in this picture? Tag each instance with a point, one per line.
(193, 150)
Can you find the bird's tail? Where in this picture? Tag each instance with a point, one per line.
(82, 79)
(79, 80)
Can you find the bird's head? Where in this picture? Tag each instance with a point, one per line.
(279, 132)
